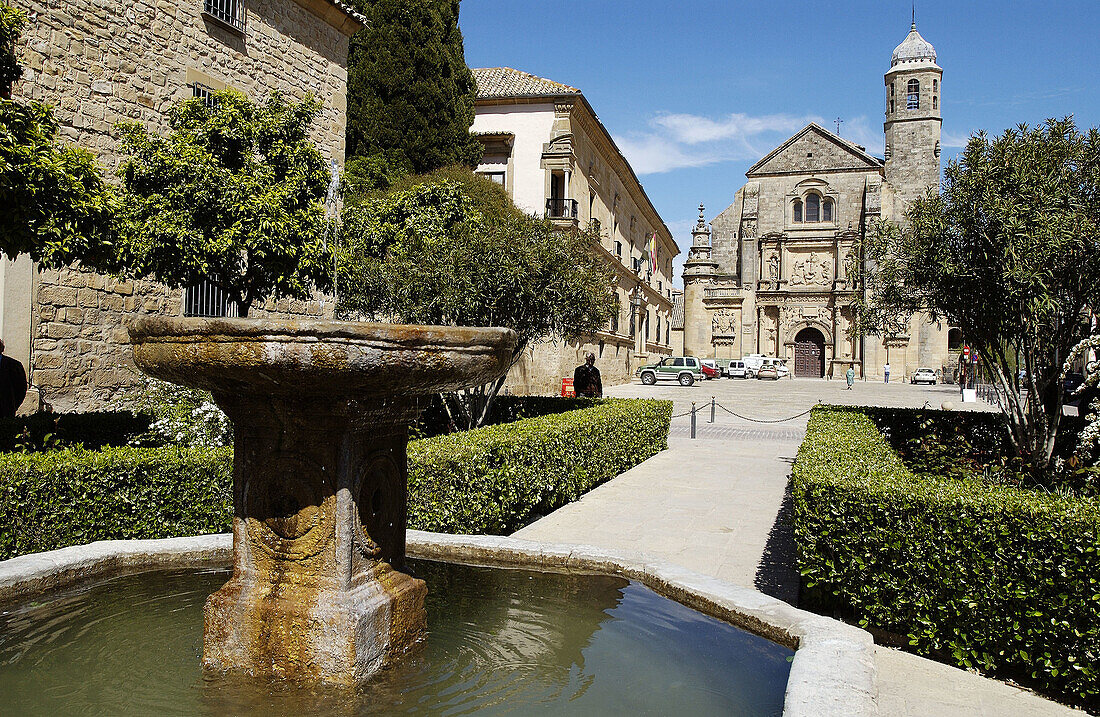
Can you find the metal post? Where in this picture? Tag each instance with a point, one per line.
(693, 419)
(711, 410)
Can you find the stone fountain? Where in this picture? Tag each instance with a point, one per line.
(321, 412)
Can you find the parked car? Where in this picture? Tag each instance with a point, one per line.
(710, 368)
(685, 369)
(769, 371)
(923, 375)
(736, 368)
(780, 366)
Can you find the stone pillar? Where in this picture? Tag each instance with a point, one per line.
(320, 493)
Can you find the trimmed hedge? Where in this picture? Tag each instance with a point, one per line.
(91, 430)
(497, 479)
(59, 498)
(489, 480)
(999, 579)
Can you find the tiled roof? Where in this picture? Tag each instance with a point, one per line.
(493, 82)
(350, 12)
(678, 310)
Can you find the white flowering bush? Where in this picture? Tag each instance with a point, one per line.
(1088, 442)
(181, 416)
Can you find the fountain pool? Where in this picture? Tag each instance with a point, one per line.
(498, 641)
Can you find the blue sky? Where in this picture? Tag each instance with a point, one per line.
(695, 92)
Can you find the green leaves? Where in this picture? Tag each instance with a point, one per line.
(1008, 251)
(453, 250)
(1001, 579)
(410, 94)
(233, 194)
(57, 208)
(497, 479)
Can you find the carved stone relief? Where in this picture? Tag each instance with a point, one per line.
(724, 323)
(773, 266)
(814, 270)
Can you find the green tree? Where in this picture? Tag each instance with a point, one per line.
(410, 94)
(56, 206)
(452, 249)
(1009, 252)
(234, 195)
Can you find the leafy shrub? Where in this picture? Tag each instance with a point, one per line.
(498, 478)
(90, 430)
(489, 480)
(68, 497)
(182, 416)
(995, 578)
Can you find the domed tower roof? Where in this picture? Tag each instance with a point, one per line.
(913, 49)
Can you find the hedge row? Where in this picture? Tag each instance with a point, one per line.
(497, 479)
(489, 480)
(67, 497)
(91, 430)
(999, 579)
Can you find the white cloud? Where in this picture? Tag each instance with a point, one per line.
(948, 139)
(676, 141)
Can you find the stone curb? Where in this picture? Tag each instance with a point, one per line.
(832, 674)
(59, 569)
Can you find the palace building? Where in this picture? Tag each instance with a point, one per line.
(545, 145)
(770, 273)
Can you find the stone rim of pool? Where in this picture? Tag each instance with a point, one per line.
(832, 672)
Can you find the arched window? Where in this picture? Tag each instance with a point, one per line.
(891, 101)
(813, 208)
(935, 102)
(798, 210)
(912, 93)
(827, 210)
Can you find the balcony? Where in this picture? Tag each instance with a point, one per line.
(561, 209)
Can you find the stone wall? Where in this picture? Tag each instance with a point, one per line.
(543, 366)
(101, 63)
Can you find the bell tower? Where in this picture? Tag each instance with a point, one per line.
(913, 85)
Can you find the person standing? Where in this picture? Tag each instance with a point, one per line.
(13, 384)
(886, 372)
(586, 378)
(850, 377)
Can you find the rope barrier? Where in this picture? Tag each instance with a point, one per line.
(764, 420)
(751, 420)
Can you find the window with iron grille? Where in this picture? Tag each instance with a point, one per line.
(204, 93)
(206, 299)
(227, 12)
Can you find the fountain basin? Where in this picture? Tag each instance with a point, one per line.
(832, 673)
(321, 412)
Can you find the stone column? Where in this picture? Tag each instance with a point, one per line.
(320, 493)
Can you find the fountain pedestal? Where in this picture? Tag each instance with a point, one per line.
(321, 413)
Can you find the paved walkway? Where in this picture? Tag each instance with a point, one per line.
(720, 505)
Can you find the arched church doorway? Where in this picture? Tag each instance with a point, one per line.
(809, 354)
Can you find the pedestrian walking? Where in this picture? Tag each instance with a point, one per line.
(886, 372)
(13, 384)
(586, 378)
(850, 377)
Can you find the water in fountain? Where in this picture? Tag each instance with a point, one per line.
(499, 641)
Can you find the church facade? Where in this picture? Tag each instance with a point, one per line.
(771, 274)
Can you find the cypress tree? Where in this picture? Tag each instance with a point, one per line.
(410, 94)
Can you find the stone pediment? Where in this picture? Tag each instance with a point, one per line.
(815, 149)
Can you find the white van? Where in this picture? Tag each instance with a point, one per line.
(736, 368)
(753, 362)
